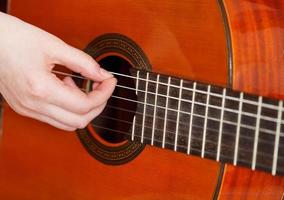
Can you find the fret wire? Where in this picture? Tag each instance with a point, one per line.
(137, 82)
(196, 138)
(212, 94)
(221, 125)
(238, 129)
(178, 114)
(202, 92)
(212, 106)
(185, 88)
(166, 112)
(267, 155)
(133, 128)
(144, 108)
(277, 136)
(134, 118)
(118, 131)
(209, 129)
(264, 130)
(205, 121)
(256, 136)
(155, 110)
(211, 118)
(191, 118)
(279, 122)
(145, 137)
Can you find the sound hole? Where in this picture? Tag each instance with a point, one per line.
(115, 122)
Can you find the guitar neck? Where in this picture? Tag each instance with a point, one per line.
(205, 120)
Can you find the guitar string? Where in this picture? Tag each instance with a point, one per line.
(216, 131)
(155, 140)
(242, 137)
(268, 118)
(259, 165)
(266, 105)
(140, 91)
(202, 104)
(215, 107)
(261, 141)
(147, 104)
(197, 115)
(169, 132)
(264, 154)
(260, 153)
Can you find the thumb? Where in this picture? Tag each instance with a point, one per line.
(80, 62)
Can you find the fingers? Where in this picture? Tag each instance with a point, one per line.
(59, 117)
(51, 121)
(79, 62)
(70, 119)
(65, 105)
(74, 99)
(44, 118)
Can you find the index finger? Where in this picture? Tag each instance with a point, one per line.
(75, 100)
(78, 61)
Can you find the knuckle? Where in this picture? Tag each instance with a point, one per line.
(84, 108)
(83, 123)
(90, 61)
(37, 90)
(95, 115)
(91, 66)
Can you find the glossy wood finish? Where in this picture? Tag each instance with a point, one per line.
(44, 163)
(185, 39)
(241, 183)
(41, 162)
(256, 28)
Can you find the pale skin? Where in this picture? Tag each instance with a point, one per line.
(27, 57)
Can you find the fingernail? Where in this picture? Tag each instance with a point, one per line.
(105, 73)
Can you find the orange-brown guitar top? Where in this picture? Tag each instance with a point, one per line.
(44, 163)
(227, 43)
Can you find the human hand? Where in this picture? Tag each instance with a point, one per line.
(27, 57)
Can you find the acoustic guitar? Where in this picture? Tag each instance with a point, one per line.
(196, 114)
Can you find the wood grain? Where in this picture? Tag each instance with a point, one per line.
(258, 44)
(241, 183)
(256, 27)
(41, 162)
(184, 38)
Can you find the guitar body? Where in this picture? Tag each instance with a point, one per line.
(236, 45)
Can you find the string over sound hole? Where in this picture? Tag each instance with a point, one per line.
(107, 138)
(117, 117)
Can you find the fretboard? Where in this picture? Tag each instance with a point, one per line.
(203, 120)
